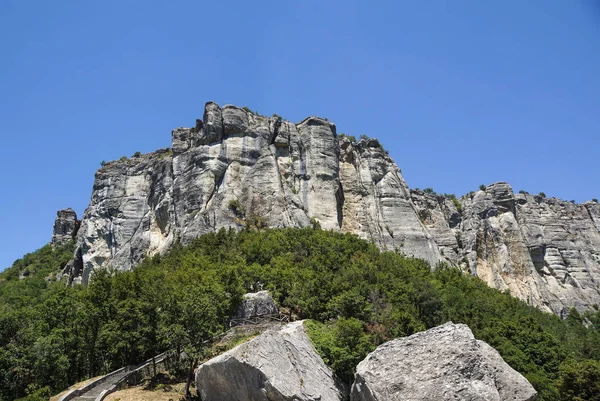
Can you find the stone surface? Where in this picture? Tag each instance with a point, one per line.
(443, 363)
(278, 365)
(65, 226)
(256, 304)
(543, 250)
(235, 169)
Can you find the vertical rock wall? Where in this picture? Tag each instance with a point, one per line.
(544, 251)
(236, 168)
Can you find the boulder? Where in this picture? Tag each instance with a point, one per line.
(443, 363)
(256, 304)
(278, 365)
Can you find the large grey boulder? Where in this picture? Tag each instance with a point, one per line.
(256, 304)
(443, 363)
(65, 226)
(278, 365)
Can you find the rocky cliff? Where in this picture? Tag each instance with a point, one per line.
(235, 168)
(544, 251)
(65, 226)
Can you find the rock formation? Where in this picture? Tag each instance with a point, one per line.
(443, 363)
(235, 168)
(544, 251)
(278, 365)
(65, 226)
(256, 304)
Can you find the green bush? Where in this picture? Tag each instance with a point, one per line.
(236, 207)
(482, 187)
(579, 381)
(342, 344)
(358, 296)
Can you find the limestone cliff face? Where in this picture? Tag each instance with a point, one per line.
(544, 251)
(236, 169)
(65, 226)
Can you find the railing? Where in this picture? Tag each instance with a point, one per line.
(258, 320)
(161, 359)
(82, 390)
(136, 374)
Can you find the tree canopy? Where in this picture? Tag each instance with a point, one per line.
(357, 296)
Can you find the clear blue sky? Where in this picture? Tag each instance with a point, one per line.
(460, 92)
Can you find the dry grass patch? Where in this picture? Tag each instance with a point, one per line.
(168, 393)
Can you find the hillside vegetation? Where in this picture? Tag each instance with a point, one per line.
(358, 297)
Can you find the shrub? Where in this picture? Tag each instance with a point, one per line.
(124, 158)
(255, 221)
(277, 117)
(364, 137)
(137, 154)
(482, 187)
(580, 380)
(595, 200)
(102, 163)
(236, 207)
(542, 195)
(523, 192)
(247, 110)
(342, 344)
(457, 204)
(429, 191)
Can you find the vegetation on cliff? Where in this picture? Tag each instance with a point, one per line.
(52, 335)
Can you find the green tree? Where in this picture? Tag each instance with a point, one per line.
(580, 381)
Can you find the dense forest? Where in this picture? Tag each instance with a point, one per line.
(357, 296)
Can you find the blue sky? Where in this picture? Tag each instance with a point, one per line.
(460, 92)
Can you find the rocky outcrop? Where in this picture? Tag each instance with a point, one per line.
(236, 169)
(65, 226)
(543, 250)
(256, 304)
(278, 365)
(443, 363)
